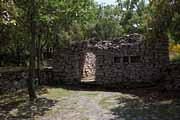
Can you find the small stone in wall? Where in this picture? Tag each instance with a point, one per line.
(24, 75)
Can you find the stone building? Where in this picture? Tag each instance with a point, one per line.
(126, 59)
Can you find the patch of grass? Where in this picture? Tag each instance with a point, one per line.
(57, 93)
(113, 101)
(107, 101)
(16, 105)
(89, 94)
(12, 69)
(20, 95)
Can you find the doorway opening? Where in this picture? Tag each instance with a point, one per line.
(89, 67)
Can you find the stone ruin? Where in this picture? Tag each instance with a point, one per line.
(126, 59)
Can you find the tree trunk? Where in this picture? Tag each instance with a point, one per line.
(38, 58)
(30, 81)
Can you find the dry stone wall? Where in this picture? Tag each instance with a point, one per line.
(172, 76)
(125, 60)
(121, 60)
(14, 79)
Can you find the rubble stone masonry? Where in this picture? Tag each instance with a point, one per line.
(118, 60)
(125, 60)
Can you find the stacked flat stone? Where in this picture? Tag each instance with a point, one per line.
(112, 61)
(15, 79)
(70, 62)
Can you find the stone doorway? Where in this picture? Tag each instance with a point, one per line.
(89, 67)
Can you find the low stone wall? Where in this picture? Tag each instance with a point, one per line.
(13, 79)
(172, 77)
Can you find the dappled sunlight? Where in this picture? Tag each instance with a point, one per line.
(143, 108)
(99, 60)
(79, 102)
(134, 109)
(57, 93)
(17, 105)
(117, 100)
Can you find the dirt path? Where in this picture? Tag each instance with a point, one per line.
(76, 103)
(92, 105)
(82, 106)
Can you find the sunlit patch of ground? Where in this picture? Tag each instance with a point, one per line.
(66, 103)
(57, 93)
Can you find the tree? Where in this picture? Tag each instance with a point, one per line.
(31, 81)
(161, 16)
(174, 28)
(132, 12)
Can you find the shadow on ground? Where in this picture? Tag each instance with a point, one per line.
(137, 109)
(16, 106)
(149, 94)
(125, 104)
(138, 104)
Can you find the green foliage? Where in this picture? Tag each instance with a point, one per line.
(174, 28)
(132, 13)
(162, 18)
(8, 12)
(59, 22)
